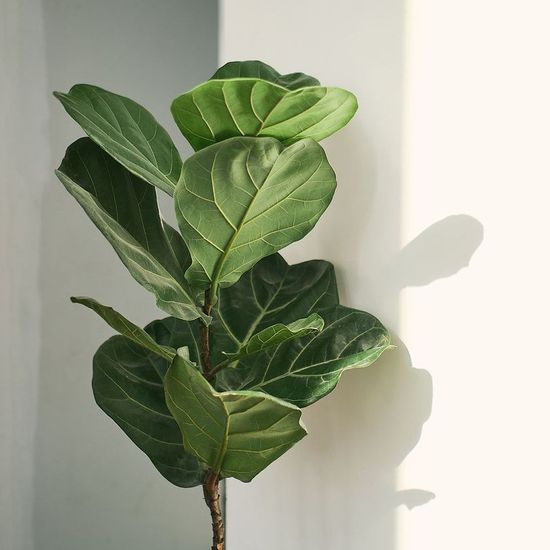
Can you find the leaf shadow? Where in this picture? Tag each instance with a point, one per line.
(375, 419)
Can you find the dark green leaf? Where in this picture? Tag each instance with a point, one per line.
(237, 434)
(124, 208)
(245, 198)
(299, 371)
(271, 292)
(125, 327)
(219, 109)
(305, 370)
(128, 386)
(260, 70)
(127, 131)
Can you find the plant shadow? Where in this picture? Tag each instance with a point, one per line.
(368, 427)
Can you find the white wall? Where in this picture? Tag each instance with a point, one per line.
(23, 134)
(439, 227)
(69, 478)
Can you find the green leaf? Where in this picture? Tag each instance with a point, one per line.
(246, 198)
(128, 386)
(262, 71)
(277, 334)
(271, 292)
(237, 434)
(303, 371)
(124, 208)
(219, 109)
(125, 327)
(127, 131)
(299, 371)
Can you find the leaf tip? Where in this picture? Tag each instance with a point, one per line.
(59, 95)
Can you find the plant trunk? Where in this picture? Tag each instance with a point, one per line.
(211, 488)
(211, 483)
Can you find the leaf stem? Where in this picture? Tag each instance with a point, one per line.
(211, 490)
(205, 338)
(220, 366)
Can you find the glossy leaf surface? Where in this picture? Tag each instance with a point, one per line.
(219, 109)
(124, 208)
(245, 198)
(304, 370)
(128, 386)
(237, 434)
(127, 131)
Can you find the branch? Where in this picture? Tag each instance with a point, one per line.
(211, 490)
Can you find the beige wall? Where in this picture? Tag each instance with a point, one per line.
(439, 227)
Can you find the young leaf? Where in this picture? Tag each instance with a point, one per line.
(125, 327)
(245, 198)
(128, 386)
(260, 70)
(237, 434)
(299, 371)
(220, 109)
(127, 131)
(277, 334)
(124, 209)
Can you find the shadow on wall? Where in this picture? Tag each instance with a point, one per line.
(398, 398)
(379, 415)
(440, 251)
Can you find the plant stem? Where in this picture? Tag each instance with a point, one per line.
(205, 339)
(211, 489)
(211, 483)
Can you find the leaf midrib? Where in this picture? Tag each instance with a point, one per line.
(242, 221)
(223, 449)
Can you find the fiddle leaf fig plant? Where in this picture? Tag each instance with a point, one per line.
(216, 389)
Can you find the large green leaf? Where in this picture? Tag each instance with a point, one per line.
(262, 71)
(237, 434)
(125, 210)
(271, 292)
(128, 386)
(127, 132)
(125, 327)
(245, 198)
(277, 334)
(220, 109)
(299, 371)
